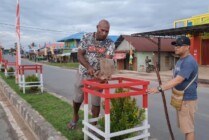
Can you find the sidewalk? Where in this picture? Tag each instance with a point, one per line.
(165, 75)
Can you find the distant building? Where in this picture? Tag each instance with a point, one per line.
(71, 44)
(200, 42)
(142, 47)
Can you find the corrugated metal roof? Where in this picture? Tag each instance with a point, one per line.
(76, 36)
(79, 35)
(143, 44)
(113, 37)
(193, 30)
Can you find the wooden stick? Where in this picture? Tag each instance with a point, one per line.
(163, 97)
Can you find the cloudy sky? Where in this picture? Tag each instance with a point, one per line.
(49, 20)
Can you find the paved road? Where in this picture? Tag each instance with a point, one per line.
(61, 81)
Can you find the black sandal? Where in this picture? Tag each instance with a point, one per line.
(72, 125)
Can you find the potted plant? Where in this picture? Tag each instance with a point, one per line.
(32, 79)
(125, 114)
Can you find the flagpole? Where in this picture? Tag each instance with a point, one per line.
(18, 61)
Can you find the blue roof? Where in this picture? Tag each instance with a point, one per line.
(113, 37)
(78, 36)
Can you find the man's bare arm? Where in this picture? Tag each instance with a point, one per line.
(170, 84)
(83, 61)
(109, 56)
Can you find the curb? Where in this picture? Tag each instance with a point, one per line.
(41, 128)
(153, 76)
(203, 81)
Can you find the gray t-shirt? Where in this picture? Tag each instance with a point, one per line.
(94, 49)
(188, 68)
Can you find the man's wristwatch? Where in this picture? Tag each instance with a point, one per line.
(160, 89)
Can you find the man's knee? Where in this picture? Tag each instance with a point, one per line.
(190, 136)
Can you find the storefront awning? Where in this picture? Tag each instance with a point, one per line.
(64, 54)
(119, 56)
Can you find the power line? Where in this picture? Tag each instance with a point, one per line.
(36, 28)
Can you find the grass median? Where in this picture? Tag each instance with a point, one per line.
(65, 65)
(54, 110)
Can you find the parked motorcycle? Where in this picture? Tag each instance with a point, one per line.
(149, 67)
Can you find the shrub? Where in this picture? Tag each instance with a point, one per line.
(10, 69)
(124, 115)
(2, 68)
(32, 78)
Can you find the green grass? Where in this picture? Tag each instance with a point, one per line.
(66, 65)
(54, 110)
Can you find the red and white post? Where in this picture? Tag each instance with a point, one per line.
(18, 58)
(137, 88)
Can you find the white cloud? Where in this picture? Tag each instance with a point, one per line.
(65, 17)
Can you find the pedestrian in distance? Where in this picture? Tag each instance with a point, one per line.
(184, 82)
(92, 47)
(147, 60)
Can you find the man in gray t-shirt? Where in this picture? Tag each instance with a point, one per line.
(186, 72)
